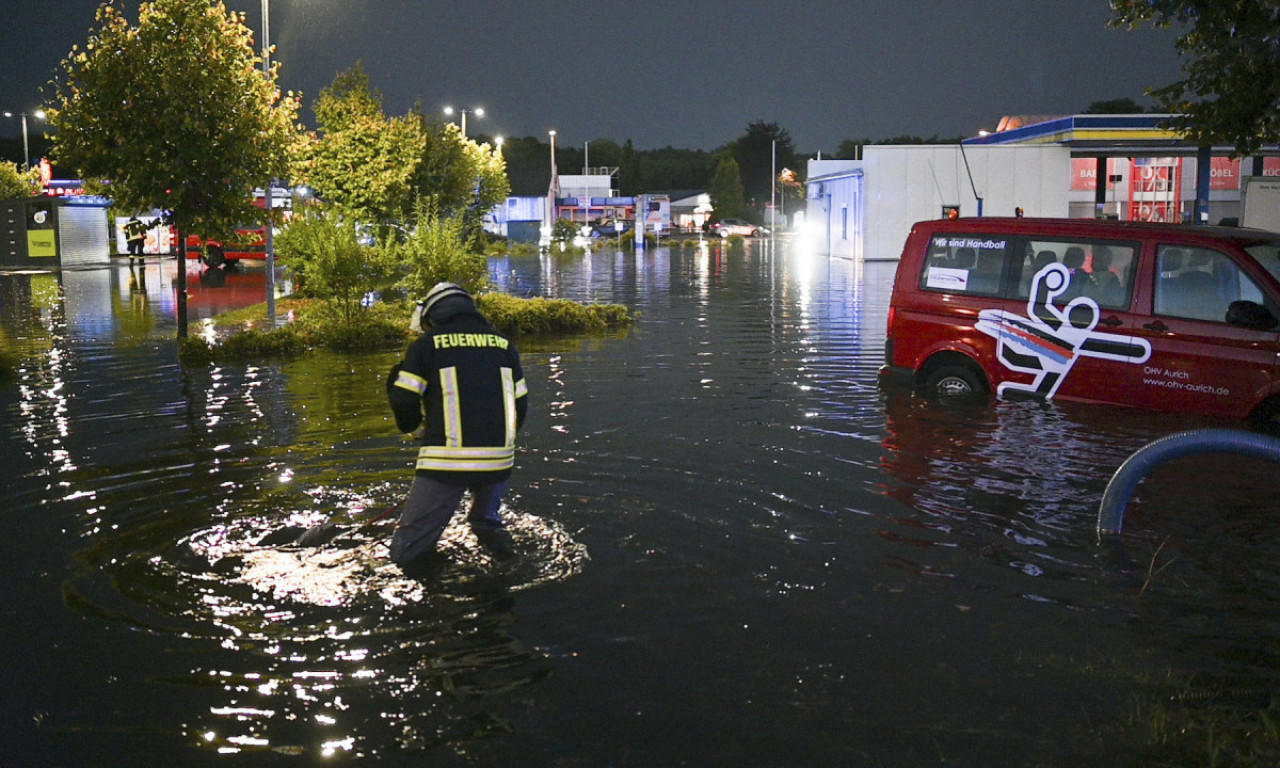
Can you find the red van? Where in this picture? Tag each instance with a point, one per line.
(1167, 317)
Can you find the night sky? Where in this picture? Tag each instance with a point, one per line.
(689, 73)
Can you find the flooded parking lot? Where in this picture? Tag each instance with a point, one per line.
(735, 548)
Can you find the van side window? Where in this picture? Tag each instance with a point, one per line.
(969, 264)
(1199, 284)
(1102, 271)
(1268, 257)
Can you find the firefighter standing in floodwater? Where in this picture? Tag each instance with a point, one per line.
(135, 232)
(460, 388)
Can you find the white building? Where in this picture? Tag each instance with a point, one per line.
(1128, 167)
(863, 209)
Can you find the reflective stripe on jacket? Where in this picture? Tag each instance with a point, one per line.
(465, 379)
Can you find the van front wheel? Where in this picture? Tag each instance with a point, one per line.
(950, 382)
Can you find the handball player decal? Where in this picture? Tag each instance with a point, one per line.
(1047, 342)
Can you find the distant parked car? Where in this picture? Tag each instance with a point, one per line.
(742, 227)
(608, 228)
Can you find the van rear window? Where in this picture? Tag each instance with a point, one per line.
(965, 263)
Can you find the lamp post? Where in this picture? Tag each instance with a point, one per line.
(552, 191)
(478, 112)
(26, 151)
(269, 203)
(773, 193)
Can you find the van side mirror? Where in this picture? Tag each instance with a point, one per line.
(1250, 314)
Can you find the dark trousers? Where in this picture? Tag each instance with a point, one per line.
(428, 509)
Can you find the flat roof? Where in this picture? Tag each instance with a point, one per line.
(1104, 135)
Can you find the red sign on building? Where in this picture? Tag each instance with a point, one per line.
(1084, 173)
(1155, 189)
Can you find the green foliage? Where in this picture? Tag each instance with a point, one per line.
(175, 113)
(439, 250)
(316, 323)
(324, 323)
(364, 162)
(16, 183)
(501, 246)
(665, 168)
(764, 147)
(1125, 106)
(1230, 90)
(528, 164)
(564, 231)
(467, 179)
(726, 189)
(628, 240)
(377, 167)
(327, 324)
(851, 149)
(348, 101)
(536, 316)
(325, 254)
(246, 345)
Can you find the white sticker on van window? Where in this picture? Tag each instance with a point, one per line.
(947, 279)
(1046, 342)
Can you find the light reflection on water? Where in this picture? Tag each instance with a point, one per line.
(777, 545)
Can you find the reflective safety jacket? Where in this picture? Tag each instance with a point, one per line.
(464, 379)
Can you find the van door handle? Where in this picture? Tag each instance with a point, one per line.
(1112, 321)
(1155, 325)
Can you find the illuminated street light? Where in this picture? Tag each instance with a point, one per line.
(553, 191)
(478, 112)
(26, 152)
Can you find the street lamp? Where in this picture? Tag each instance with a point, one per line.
(553, 190)
(269, 203)
(478, 112)
(26, 152)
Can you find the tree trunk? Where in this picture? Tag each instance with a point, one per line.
(182, 281)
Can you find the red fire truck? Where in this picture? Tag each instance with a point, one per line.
(251, 242)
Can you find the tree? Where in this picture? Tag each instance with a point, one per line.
(438, 250)
(630, 177)
(464, 178)
(755, 153)
(1125, 106)
(377, 168)
(1230, 92)
(328, 259)
(528, 165)
(175, 113)
(726, 188)
(363, 162)
(851, 149)
(16, 183)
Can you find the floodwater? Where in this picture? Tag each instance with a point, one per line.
(734, 548)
